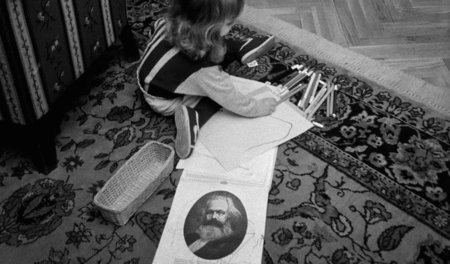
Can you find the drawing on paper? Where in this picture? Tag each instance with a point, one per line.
(215, 225)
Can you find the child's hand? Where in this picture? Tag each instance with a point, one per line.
(267, 106)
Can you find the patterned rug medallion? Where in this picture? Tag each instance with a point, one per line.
(370, 187)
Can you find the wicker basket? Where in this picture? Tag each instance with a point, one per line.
(135, 182)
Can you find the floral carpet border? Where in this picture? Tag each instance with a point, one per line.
(373, 180)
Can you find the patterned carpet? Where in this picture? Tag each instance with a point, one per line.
(370, 187)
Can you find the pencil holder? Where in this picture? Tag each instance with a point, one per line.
(135, 182)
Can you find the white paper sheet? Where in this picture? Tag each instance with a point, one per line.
(234, 140)
(202, 164)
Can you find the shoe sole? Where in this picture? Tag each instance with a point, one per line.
(265, 46)
(183, 138)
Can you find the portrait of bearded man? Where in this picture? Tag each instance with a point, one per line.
(216, 225)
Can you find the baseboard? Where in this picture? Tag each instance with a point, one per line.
(360, 66)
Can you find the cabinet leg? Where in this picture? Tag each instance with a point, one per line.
(42, 145)
(37, 140)
(129, 43)
(44, 155)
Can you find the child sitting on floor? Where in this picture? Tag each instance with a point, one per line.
(180, 71)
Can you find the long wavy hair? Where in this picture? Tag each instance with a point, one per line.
(194, 26)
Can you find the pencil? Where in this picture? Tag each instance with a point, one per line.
(312, 85)
(292, 92)
(312, 111)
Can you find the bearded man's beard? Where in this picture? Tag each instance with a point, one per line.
(212, 230)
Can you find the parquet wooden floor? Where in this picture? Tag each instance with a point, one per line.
(410, 35)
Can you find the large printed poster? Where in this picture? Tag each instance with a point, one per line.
(216, 220)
